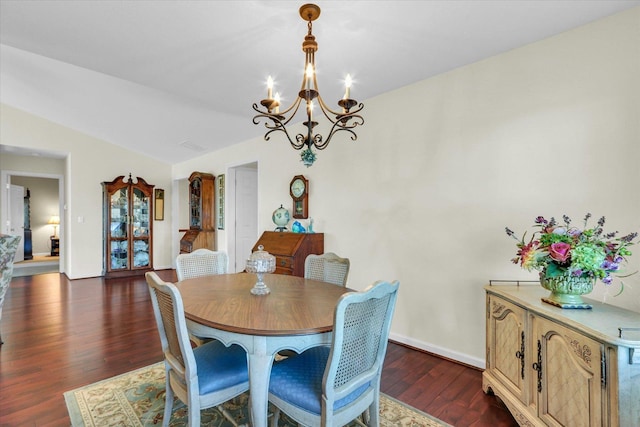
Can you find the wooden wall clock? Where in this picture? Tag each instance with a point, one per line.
(299, 190)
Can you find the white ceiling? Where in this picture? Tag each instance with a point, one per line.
(150, 75)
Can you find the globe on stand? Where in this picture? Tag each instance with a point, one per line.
(281, 218)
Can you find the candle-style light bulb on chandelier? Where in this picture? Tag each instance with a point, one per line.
(275, 120)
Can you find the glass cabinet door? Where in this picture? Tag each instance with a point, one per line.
(118, 229)
(195, 191)
(140, 228)
(127, 227)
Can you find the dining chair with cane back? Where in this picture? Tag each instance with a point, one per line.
(201, 262)
(327, 386)
(327, 267)
(204, 377)
(8, 247)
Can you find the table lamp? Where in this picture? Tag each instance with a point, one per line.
(54, 220)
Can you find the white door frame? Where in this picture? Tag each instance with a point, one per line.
(5, 182)
(15, 225)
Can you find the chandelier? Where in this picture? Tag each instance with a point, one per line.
(346, 119)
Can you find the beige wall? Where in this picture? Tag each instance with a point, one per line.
(438, 171)
(89, 162)
(442, 166)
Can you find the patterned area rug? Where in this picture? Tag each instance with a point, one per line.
(137, 399)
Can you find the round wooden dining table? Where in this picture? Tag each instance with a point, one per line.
(297, 314)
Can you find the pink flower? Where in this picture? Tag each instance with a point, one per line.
(560, 251)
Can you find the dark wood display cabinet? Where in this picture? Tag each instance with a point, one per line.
(127, 227)
(201, 233)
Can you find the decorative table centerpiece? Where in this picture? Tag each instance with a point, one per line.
(261, 262)
(570, 260)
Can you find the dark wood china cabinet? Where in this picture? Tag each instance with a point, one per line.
(201, 233)
(127, 227)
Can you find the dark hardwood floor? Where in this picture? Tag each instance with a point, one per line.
(60, 334)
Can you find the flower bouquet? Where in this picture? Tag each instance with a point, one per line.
(571, 259)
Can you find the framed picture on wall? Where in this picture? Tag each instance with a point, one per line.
(220, 204)
(159, 209)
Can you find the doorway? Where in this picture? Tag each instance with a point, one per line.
(242, 203)
(240, 231)
(46, 203)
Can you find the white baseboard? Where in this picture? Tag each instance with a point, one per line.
(440, 351)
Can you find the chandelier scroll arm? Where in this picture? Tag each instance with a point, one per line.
(276, 125)
(346, 114)
(281, 115)
(326, 110)
(337, 127)
(293, 107)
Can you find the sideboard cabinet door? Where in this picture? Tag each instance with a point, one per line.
(506, 356)
(569, 385)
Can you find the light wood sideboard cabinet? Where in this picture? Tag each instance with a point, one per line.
(291, 249)
(562, 367)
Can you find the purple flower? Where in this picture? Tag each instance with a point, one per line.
(607, 280)
(609, 265)
(540, 220)
(618, 259)
(576, 273)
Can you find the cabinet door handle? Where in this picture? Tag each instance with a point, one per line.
(283, 263)
(520, 355)
(537, 366)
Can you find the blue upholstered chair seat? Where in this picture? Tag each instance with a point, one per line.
(220, 367)
(331, 386)
(298, 380)
(201, 378)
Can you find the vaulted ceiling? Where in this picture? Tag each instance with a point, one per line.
(175, 79)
